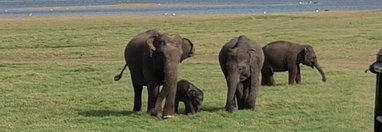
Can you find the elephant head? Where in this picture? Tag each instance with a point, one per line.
(240, 61)
(171, 44)
(308, 57)
(196, 97)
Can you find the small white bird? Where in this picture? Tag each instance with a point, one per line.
(173, 14)
(317, 10)
(30, 14)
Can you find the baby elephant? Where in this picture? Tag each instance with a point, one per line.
(190, 95)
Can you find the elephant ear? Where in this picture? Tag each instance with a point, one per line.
(301, 55)
(151, 43)
(233, 50)
(187, 48)
(191, 92)
(307, 54)
(253, 58)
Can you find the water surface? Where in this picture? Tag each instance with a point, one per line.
(177, 7)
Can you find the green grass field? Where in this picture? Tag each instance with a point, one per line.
(56, 73)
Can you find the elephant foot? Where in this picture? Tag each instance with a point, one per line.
(160, 116)
(268, 84)
(229, 109)
(251, 108)
(155, 113)
(136, 109)
(168, 114)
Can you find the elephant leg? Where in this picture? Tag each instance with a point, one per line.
(292, 73)
(267, 77)
(233, 103)
(247, 94)
(253, 87)
(240, 96)
(189, 108)
(298, 76)
(169, 95)
(137, 97)
(233, 80)
(272, 81)
(230, 102)
(153, 91)
(176, 106)
(170, 103)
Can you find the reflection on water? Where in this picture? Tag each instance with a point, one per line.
(49, 7)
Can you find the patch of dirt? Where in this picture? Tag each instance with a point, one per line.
(347, 63)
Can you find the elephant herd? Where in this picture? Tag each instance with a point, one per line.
(153, 57)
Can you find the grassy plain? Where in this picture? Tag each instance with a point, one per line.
(56, 73)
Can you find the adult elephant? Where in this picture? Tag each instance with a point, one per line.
(241, 60)
(286, 56)
(152, 58)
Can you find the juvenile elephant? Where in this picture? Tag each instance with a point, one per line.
(152, 58)
(286, 56)
(241, 60)
(190, 95)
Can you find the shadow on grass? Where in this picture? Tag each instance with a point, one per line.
(213, 109)
(102, 113)
(276, 85)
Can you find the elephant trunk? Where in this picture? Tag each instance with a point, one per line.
(320, 70)
(168, 91)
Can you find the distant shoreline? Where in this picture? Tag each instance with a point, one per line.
(114, 6)
(154, 9)
(336, 13)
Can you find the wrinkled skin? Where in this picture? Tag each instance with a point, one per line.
(286, 56)
(152, 58)
(241, 60)
(190, 95)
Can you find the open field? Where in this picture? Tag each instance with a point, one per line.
(56, 73)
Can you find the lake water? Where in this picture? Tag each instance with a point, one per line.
(186, 7)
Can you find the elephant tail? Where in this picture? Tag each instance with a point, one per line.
(119, 76)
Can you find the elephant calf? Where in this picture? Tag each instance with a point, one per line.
(241, 60)
(190, 95)
(286, 56)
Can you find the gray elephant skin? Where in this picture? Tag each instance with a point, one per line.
(152, 58)
(241, 60)
(190, 95)
(287, 56)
